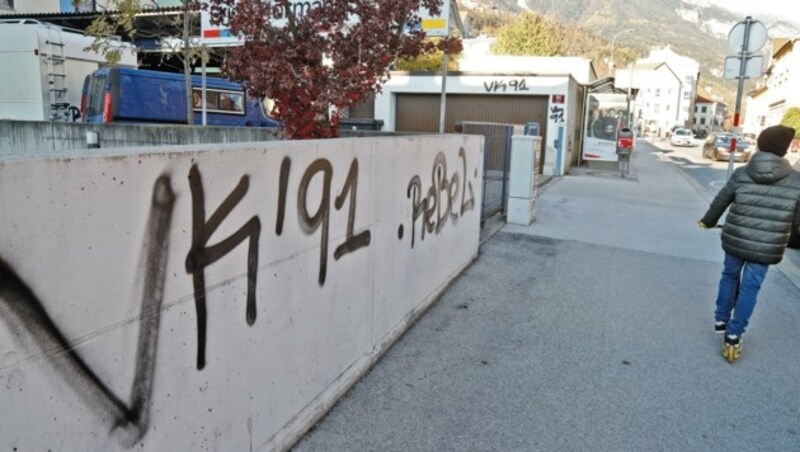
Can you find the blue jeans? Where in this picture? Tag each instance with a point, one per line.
(738, 289)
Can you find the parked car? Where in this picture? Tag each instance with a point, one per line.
(682, 137)
(718, 146)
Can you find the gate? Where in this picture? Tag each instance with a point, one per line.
(496, 161)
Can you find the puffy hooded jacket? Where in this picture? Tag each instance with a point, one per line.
(765, 195)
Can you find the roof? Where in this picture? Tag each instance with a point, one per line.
(655, 67)
(781, 46)
(82, 19)
(758, 91)
(704, 100)
(605, 85)
(648, 66)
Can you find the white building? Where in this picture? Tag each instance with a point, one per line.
(658, 104)
(477, 58)
(496, 88)
(688, 72)
(709, 115)
(778, 89)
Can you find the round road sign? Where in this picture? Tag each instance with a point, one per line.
(757, 37)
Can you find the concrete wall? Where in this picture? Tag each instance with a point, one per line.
(24, 139)
(217, 297)
(36, 139)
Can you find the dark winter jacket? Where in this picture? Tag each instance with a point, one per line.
(765, 195)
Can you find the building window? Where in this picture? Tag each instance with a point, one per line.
(218, 101)
(686, 95)
(702, 121)
(658, 92)
(6, 4)
(667, 107)
(656, 108)
(689, 80)
(703, 109)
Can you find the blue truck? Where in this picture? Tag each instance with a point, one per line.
(127, 95)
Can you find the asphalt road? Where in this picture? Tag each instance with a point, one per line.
(708, 174)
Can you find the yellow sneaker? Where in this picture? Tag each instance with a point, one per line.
(732, 348)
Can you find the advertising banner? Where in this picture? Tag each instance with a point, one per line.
(606, 113)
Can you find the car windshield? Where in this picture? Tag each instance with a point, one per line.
(683, 132)
(724, 140)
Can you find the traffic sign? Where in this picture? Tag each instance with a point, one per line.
(754, 67)
(757, 36)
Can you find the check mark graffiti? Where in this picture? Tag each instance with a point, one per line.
(29, 321)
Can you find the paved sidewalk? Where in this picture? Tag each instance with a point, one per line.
(589, 330)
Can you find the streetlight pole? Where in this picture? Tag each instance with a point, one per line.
(630, 89)
(614, 40)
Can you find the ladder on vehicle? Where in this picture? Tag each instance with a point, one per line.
(56, 74)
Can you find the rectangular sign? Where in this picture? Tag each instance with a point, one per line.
(754, 67)
(605, 115)
(220, 35)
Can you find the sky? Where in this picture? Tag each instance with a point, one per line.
(786, 9)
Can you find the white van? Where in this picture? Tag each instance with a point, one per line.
(43, 69)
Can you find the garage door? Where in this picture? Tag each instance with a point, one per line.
(420, 112)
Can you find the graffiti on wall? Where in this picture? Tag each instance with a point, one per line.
(26, 317)
(65, 113)
(201, 255)
(320, 219)
(447, 198)
(496, 86)
(557, 113)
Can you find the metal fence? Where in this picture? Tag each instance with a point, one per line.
(496, 161)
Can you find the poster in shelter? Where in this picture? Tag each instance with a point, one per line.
(605, 114)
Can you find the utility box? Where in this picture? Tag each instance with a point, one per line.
(624, 150)
(532, 128)
(522, 179)
(361, 124)
(624, 141)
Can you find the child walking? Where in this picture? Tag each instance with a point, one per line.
(764, 201)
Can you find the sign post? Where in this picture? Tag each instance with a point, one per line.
(746, 38)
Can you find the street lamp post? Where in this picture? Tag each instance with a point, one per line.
(630, 89)
(614, 40)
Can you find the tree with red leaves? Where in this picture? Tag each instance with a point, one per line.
(316, 58)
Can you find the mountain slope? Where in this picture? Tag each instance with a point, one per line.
(690, 27)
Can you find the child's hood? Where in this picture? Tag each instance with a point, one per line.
(768, 168)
